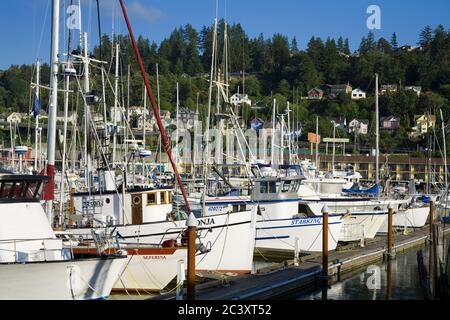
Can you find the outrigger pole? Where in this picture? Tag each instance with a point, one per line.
(165, 140)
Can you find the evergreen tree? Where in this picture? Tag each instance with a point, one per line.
(394, 42)
(426, 36)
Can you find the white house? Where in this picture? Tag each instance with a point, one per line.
(360, 126)
(15, 117)
(71, 117)
(358, 94)
(416, 89)
(239, 99)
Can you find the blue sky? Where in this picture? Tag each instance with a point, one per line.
(25, 24)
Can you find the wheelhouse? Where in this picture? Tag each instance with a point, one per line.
(21, 188)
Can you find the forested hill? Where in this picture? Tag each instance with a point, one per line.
(276, 67)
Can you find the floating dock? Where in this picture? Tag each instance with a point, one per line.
(281, 280)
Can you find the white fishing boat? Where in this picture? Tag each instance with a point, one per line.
(279, 222)
(225, 241)
(33, 262)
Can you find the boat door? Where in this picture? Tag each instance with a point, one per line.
(136, 208)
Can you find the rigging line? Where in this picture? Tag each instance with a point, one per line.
(42, 30)
(99, 31)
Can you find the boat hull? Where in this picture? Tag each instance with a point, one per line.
(85, 279)
(229, 239)
(281, 234)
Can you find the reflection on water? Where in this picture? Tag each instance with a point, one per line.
(371, 283)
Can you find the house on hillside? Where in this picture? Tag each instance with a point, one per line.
(15, 117)
(240, 99)
(358, 94)
(416, 89)
(390, 88)
(423, 123)
(334, 90)
(359, 126)
(390, 123)
(314, 94)
(187, 118)
(71, 117)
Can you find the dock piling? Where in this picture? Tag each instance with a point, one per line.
(325, 252)
(389, 244)
(192, 236)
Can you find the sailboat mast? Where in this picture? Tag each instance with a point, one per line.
(50, 188)
(36, 128)
(377, 133)
(116, 98)
(317, 143)
(87, 144)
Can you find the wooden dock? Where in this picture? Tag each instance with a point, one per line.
(282, 279)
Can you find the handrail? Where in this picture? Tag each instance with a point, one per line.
(41, 250)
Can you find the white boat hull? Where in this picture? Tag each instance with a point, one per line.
(281, 234)
(362, 225)
(409, 218)
(59, 280)
(230, 239)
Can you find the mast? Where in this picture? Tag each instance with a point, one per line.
(116, 97)
(273, 133)
(377, 133)
(87, 143)
(317, 144)
(36, 128)
(289, 132)
(50, 188)
(178, 127)
(334, 147)
(159, 109)
(445, 153)
(63, 165)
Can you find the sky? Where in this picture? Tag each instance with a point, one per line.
(25, 24)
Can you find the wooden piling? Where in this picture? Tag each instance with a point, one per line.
(430, 250)
(324, 252)
(192, 236)
(390, 242)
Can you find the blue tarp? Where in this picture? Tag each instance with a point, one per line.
(357, 189)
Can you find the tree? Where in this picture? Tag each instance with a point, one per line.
(394, 42)
(426, 36)
(294, 46)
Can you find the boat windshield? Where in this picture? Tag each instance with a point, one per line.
(21, 187)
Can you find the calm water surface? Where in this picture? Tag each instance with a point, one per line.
(360, 285)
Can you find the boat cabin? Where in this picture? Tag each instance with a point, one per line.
(135, 206)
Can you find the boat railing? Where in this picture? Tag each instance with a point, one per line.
(31, 250)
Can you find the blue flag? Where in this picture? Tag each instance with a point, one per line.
(37, 105)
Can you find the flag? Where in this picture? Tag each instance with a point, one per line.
(36, 106)
(313, 138)
(257, 124)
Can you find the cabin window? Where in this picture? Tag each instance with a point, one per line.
(235, 208)
(294, 186)
(272, 187)
(170, 196)
(151, 199)
(243, 207)
(285, 187)
(164, 198)
(24, 190)
(263, 187)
